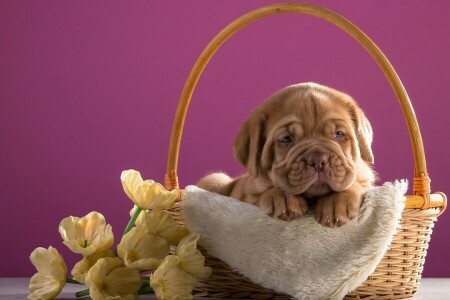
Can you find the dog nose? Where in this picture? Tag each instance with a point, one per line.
(317, 160)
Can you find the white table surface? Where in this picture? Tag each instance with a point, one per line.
(17, 288)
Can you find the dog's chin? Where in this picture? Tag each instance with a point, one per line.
(313, 185)
(316, 189)
(308, 186)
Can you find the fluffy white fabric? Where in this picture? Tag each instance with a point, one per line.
(300, 258)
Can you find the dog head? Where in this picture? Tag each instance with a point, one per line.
(307, 139)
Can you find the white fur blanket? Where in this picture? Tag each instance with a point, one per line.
(300, 258)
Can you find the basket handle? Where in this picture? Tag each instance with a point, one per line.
(421, 182)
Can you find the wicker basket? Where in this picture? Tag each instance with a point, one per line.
(398, 274)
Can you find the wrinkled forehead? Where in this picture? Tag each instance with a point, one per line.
(311, 112)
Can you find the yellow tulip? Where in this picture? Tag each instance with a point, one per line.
(161, 223)
(170, 282)
(86, 235)
(147, 194)
(191, 259)
(110, 279)
(131, 180)
(81, 268)
(50, 278)
(142, 250)
(176, 277)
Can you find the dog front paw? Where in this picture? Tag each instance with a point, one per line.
(276, 203)
(338, 209)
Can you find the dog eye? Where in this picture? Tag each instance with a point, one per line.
(286, 140)
(339, 135)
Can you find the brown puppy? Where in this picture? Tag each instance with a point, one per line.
(306, 146)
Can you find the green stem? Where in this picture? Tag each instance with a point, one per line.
(83, 293)
(145, 282)
(131, 223)
(71, 280)
(145, 290)
(132, 220)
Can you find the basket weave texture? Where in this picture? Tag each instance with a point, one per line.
(399, 272)
(397, 276)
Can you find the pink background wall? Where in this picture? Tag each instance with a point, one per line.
(89, 88)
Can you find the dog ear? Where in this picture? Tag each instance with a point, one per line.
(364, 134)
(249, 143)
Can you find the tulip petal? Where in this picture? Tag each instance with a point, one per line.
(131, 179)
(146, 194)
(154, 196)
(161, 223)
(139, 249)
(171, 282)
(81, 268)
(86, 235)
(191, 259)
(51, 276)
(109, 279)
(44, 287)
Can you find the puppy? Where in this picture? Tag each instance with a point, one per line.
(307, 147)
